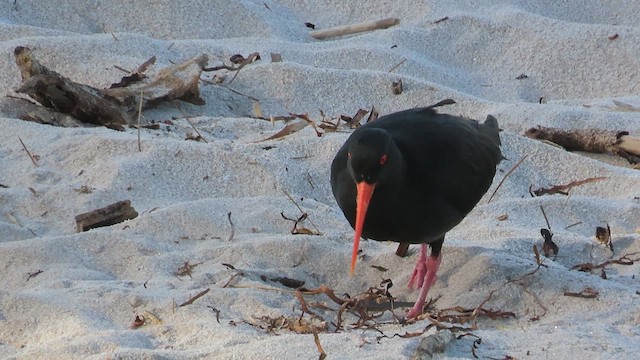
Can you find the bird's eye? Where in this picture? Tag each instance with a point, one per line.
(383, 159)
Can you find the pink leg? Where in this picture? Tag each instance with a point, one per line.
(420, 270)
(431, 264)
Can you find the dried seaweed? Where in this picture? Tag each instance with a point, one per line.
(563, 189)
(235, 59)
(286, 281)
(185, 269)
(295, 230)
(316, 339)
(627, 259)
(297, 324)
(287, 130)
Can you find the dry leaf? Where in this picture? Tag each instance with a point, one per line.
(151, 319)
(354, 122)
(287, 130)
(549, 247)
(603, 235)
(380, 268)
(396, 87)
(373, 114)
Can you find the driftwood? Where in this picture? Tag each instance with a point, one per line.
(354, 28)
(106, 216)
(591, 140)
(113, 107)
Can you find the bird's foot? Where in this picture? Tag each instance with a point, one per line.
(431, 265)
(414, 311)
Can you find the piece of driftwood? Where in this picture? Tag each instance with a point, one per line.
(591, 140)
(354, 28)
(106, 216)
(114, 107)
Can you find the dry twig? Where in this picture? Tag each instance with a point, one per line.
(198, 296)
(34, 274)
(33, 160)
(441, 20)
(139, 117)
(397, 65)
(587, 293)
(233, 228)
(354, 28)
(506, 176)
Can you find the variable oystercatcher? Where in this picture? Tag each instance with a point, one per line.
(410, 177)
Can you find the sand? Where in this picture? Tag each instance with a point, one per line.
(93, 284)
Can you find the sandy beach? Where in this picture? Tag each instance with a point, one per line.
(70, 295)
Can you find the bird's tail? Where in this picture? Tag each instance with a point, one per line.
(491, 129)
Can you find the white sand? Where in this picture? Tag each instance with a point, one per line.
(93, 284)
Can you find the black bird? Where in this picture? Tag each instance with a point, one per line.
(410, 177)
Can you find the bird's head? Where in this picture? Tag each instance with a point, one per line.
(368, 155)
(368, 162)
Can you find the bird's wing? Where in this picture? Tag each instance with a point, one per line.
(454, 158)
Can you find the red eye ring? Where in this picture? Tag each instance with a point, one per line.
(383, 159)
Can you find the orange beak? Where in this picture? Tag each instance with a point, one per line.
(365, 191)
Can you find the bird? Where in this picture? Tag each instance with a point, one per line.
(410, 177)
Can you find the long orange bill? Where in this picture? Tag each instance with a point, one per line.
(365, 191)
